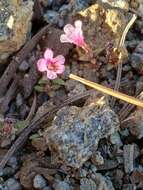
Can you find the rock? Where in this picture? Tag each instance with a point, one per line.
(122, 4)
(137, 58)
(19, 100)
(12, 162)
(97, 159)
(101, 20)
(140, 9)
(46, 188)
(24, 66)
(81, 4)
(61, 185)
(83, 173)
(135, 123)
(15, 25)
(87, 184)
(24, 110)
(116, 140)
(8, 171)
(102, 181)
(13, 184)
(78, 88)
(137, 5)
(39, 144)
(39, 182)
(137, 61)
(51, 17)
(128, 158)
(75, 132)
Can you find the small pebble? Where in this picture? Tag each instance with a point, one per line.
(12, 162)
(61, 185)
(47, 188)
(12, 184)
(24, 110)
(83, 173)
(24, 66)
(8, 171)
(19, 100)
(39, 182)
(51, 17)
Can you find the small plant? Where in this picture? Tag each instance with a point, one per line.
(55, 65)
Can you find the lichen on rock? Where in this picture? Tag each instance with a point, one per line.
(75, 131)
(15, 24)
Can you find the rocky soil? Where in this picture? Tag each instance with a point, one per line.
(61, 135)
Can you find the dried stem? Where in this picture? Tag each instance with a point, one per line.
(120, 64)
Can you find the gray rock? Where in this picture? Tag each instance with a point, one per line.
(137, 61)
(39, 182)
(47, 188)
(8, 171)
(51, 17)
(74, 87)
(24, 66)
(65, 9)
(12, 184)
(75, 131)
(12, 162)
(81, 4)
(93, 168)
(87, 184)
(61, 185)
(83, 173)
(19, 100)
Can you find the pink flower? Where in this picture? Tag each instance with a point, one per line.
(74, 34)
(52, 66)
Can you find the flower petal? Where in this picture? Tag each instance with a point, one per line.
(51, 75)
(78, 24)
(48, 54)
(60, 69)
(64, 38)
(41, 64)
(68, 28)
(60, 59)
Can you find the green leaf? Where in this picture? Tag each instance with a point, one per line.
(39, 88)
(58, 82)
(56, 86)
(21, 124)
(42, 81)
(34, 136)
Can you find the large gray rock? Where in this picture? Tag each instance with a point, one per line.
(76, 131)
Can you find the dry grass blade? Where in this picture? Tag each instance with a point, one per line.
(109, 91)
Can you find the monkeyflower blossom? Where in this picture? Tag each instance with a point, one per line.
(51, 65)
(74, 35)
